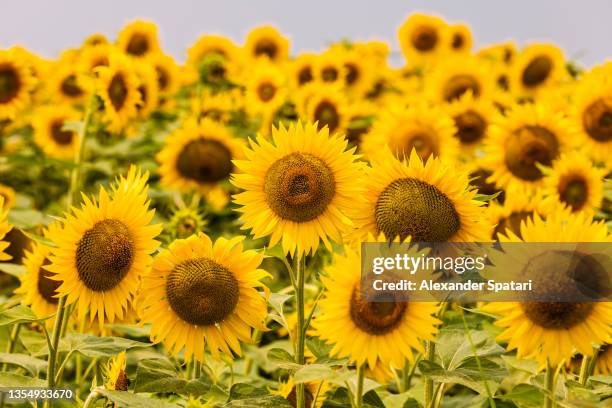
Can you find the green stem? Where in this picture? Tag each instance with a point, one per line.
(91, 398)
(408, 373)
(438, 394)
(549, 401)
(300, 332)
(430, 351)
(480, 370)
(75, 175)
(197, 372)
(359, 391)
(12, 342)
(587, 367)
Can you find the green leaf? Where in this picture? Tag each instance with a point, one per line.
(27, 218)
(283, 359)
(32, 364)
(467, 374)
(17, 315)
(129, 400)
(453, 347)
(525, 396)
(131, 330)
(529, 366)
(12, 380)
(268, 401)
(313, 372)
(94, 346)
(159, 375)
(244, 390)
(12, 269)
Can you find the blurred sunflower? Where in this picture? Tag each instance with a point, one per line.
(458, 75)
(199, 294)
(504, 53)
(217, 107)
(148, 88)
(460, 37)
(50, 133)
(472, 118)
(218, 49)
(329, 68)
(298, 187)
(5, 227)
(529, 136)
(139, 39)
(167, 73)
(16, 82)
(95, 39)
(115, 378)
(358, 72)
(423, 38)
(327, 106)
(424, 128)
(361, 115)
(509, 216)
(117, 86)
(198, 156)
(551, 331)
(302, 69)
(66, 84)
(8, 194)
(537, 67)
(314, 393)
(603, 365)
(429, 202)
(93, 57)
(104, 247)
(383, 331)
(265, 89)
(267, 41)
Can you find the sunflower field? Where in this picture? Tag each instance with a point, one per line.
(186, 232)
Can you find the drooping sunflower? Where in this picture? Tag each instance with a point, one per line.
(66, 84)
(203, 294)
(266, 41)
(94, 40)
(327, 106)
(16, 83)
(456, 76)
(527, 137)
(8, 194)
(536, 67)
(472, 118)
(104, 247)
(50, 133)
(423, 38)
(139, 39)
(460, 37)
(314, 392)
(117, 85)
(382, 331)
(198, 156)
(297, 188)
(115, 377)
(551, 331)
(427, 129)
(429, 202)
(265, 89)
(5, 227)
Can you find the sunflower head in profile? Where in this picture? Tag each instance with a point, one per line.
(503, 53)
(5, 227)
(198, 156)
(537, 67)
(472, 117)
(95, 39)
(575, 183)
(552, 331)
(460, 38)
(93, 57)
(117, 85)
(265, 88)
(8, 194)
(266, 42)
(379, 328)
(328, 107)
(423, 38)
(148, 88)
(37, 286)
(297, 187)
(458, 75)
(167, 73)
(591, 113)
(16, 83)
(203, 294)
(139, 39)
(427, 201)
(51, 134)
(66, 84)
(115, 378)
(424, 128)
(104, 247)
(515, 211)
(527, 137)
(314, 392)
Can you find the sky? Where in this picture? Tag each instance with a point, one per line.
(581, 28)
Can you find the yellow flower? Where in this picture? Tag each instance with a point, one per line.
(50, 133)
(16, 83)
(267, 41)
(423, 38)
(139, 39)
(66, 84)
(8, 194)
(314, 392)
(327, 106)
(5, 227)
(115, 378)
(537, 66)
(460, 37)
(472, 117)
(265, 88)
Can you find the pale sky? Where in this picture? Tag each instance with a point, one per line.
(582, 28)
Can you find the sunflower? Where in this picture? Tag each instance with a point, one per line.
(529, 136)
(115, 378)
(50, 133)
(198, 156)
(266, 41)
(214, 46)
(361, 115)
(429, 202)
(574, 183)
(329, 68)
(5, 227)
(8, 194)
(456, 76)
(591, 114)
(314, 393)
(38, 288)
(422, 38)
(550, 331)
(472, 118)
(66, 84)
(427, 129)
(16, 83)
(327, 106)
(148, 88)
(460, 37)
(358, 72)
(95, 39)
(199, 293)
(139, 39)
(504, 53)
(118, 85)
(167, 73)
(298, 187)
(217, 107)
(603, 365)
(516, 209)
(382, 331)
(93, 57)
(104, 247)
(537, 66)
(265, 89)
(302, 69)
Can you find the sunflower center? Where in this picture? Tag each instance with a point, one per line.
(597, 120)
(574, 192)
(138, 45)
(205, 161)
(266, 91)
(202, 292)
(457, 42)
(329, 74)
(162, 78)
(117, 91)
(460, 84)
(470, 127)
(327, 115)
(305, 75)
(529, 146)
(9, 83)
(379, 316)
(266, 47)
(423, 143)
(60, 136)
(537, 71)
(557, 315)
(70, 87)
(299, 187)
(47, 287)
(411, 207)
(512, 222)
(352, 74)
(104, 255)
(425, 39)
